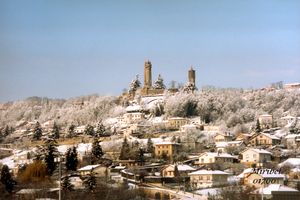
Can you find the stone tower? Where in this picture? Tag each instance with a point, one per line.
(147, 75)
(192, 76)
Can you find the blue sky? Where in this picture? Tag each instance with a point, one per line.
(62, 49)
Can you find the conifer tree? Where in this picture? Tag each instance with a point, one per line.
(100, 131)
(97, 151)
(89, 130)
(150, 146)
(71, 159)
(90, 181)
(125, 150)
(50, 154)
(55, 131)
(71, 131)
(257, 127)
(140, 158)
(66, 184)
(37, 132)
(6, 179)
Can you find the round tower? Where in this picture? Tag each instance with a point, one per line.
(147, 75)
(192, 76)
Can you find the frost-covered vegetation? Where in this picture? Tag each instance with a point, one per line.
(80, 110)
(233, 107)
(228, 107)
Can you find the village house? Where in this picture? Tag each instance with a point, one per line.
(275, 192)
(210, 158)
(292, 141)
(287, 120)
(207, 178)
(79, 129)
(99, 170)
(223, 137)
(168, 149)
(255, 156)
(221, 146)
(243, 137)
(183, 170)
(188, 128)
(264, 139)
(177, 122)
(265, 120)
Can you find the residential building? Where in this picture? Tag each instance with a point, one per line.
(275, 192)
(261, 177)
(265, 120)
(255, 156)
(223, 137)
(264, 139)
(292, 141)
(221, 146)
(210, 158)
(99, 170)
(177, 122)
(207, 178)
(168, 149)
(183, 170)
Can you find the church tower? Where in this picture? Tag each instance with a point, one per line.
(192, 76)
(147, 75)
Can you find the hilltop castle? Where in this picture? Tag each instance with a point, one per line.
(158, 87)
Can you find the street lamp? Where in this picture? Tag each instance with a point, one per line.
(58, 159)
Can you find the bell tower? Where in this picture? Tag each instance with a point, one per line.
(147, 75)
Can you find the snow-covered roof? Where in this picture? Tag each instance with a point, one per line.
(133, 108)
(166, 143)
(275, 187)
(271, 136)
(288, 117)
(88, 167)
(189, 126)
(291, 161)
(220, 155)
(183, 167)
(292, 136)
(200, 172)
(261, 151)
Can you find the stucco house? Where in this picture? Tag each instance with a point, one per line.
(255, 156)
(207, 178)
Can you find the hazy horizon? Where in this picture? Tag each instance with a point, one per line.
(62, 49)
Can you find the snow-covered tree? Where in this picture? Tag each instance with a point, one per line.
(159, 83)
(37, 132)
(55, 131)
(90, 181)
(97, 151)
(66, 184)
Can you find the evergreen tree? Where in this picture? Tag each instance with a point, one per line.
(90, 181)
(50, 153)
(71, 131)
(140, 158)
(71, 159)
(66, 184)
(100, 131)
(37, 132)
(125, 150)
(55, 131)
(89, 130)
(6, 179)
(257, 127)
(150, 146)
(97, 152)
